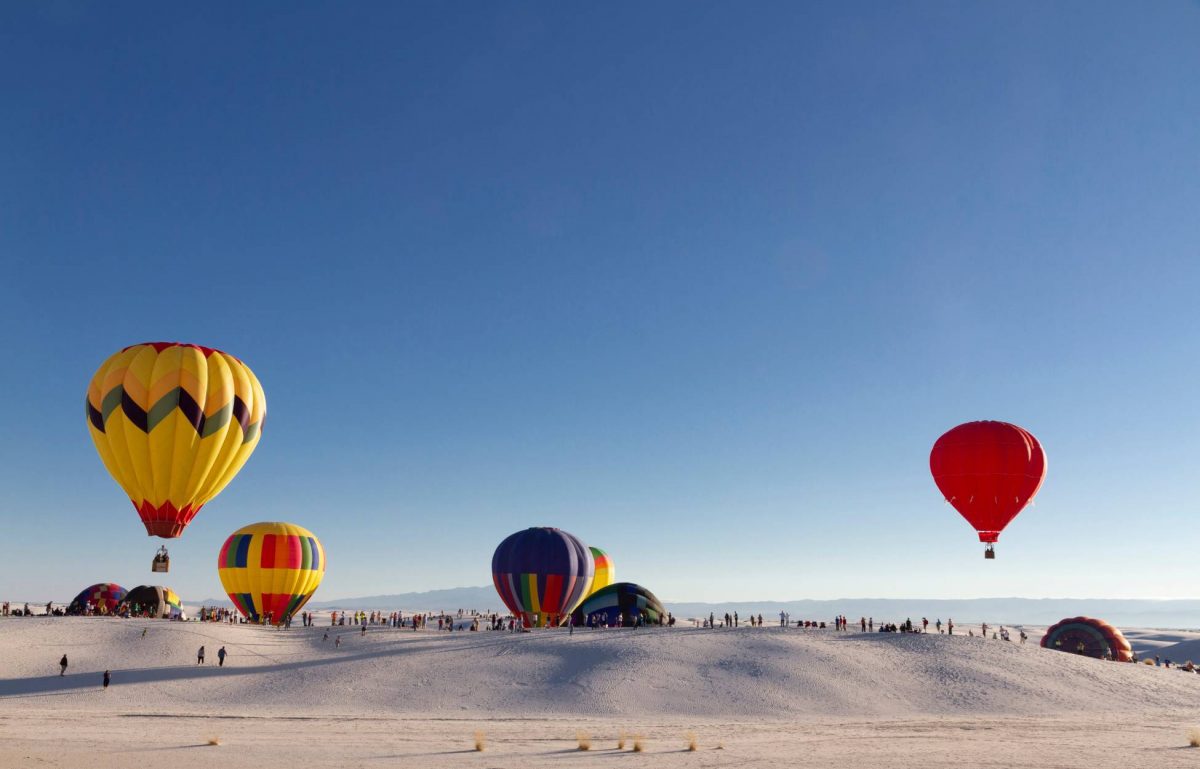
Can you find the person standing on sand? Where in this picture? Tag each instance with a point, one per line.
(950, 626)
(221, 657)
(62, 664)
(144, 631)
(325, 637)
(106, 679)
(337, 642)
(200, 656)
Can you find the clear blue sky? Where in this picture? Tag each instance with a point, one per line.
(698, 282)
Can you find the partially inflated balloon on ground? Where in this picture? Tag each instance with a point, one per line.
(622, 600)
(542, 574)
(270, 570)
(103, 596)
(1089, 637)
(173, 424)
(606, 572)
(155, 601)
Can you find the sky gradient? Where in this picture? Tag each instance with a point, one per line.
(700, 283)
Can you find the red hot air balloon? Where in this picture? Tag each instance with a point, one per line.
(988, 471)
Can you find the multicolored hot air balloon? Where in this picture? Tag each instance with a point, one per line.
(174, 423)
(1089, 637)
(542, 574)
(103, 596)
(270, 570)
(988, 471)
(606, 572)
(154, 601)
(623, 601)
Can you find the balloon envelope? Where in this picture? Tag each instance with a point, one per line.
(1098, 638)
(154, 601)
(174, 423)
(988, 471)
(103, 596)
(621, 600)
(606, 572)
(271, 569)
(542, 574)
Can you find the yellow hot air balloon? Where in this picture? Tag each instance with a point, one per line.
(174, 423)
(606, 573)
(270, 570)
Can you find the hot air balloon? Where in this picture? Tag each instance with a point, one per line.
(103, 596)
(154, 601)
(988, 471)
(270, 570)
(622, 601)
(605, 571)
(173, 424)
(542, 574)
(1089, 637)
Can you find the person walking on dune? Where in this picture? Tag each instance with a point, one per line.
(200, 656)
(221, 657)
(107, 678)
(62, 664)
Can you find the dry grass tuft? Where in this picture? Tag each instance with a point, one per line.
(584, 739)
(480, 742)
(621, 741)
(1194, 737)
(692, 744)
(638, 745)
(214, 740)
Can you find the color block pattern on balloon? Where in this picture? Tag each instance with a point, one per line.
(173, 424)
(270, 570)
(606, 572)
(104, 598)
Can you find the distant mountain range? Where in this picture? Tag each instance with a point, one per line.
(1174, 613)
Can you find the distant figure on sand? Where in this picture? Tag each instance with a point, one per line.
(221, 657)
(200, 656)
(326, 636)
(337, 642)
(106, 679)
(62, 664)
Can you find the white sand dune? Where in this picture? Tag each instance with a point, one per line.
(762, 693)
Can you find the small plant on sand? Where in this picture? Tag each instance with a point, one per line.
(638, 745)
(584, 739)
(1194, 737)
(621, 741)
(214, 740)
(480, 742)
(692, 745)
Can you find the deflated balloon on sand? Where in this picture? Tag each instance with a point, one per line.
(1089, 637)
(271, 569)
(174, 423)
(542, 574)
(623, 601)
(154, 601)
(104, 598)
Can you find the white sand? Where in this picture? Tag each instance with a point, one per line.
(766, 696)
